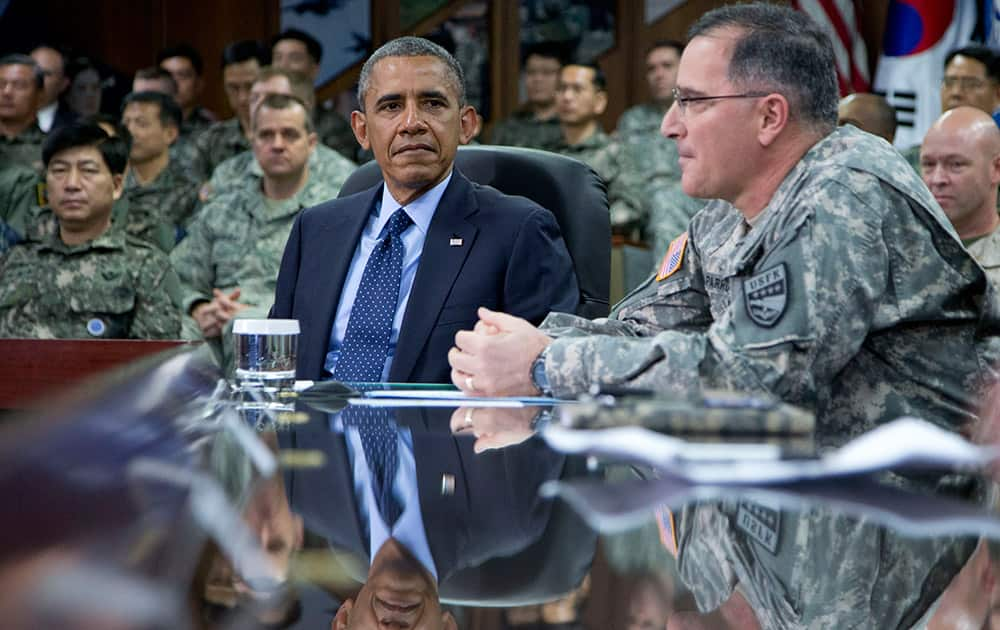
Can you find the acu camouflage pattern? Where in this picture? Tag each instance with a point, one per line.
(50, 290)
(25, 148)
(884, 312)
(211, 147)
(234, 239)
(659, 175)
(243, 172)
(608, 158)
(825, 570)
(711, 413)
(522, 129)
(335, 132)
(986, 251)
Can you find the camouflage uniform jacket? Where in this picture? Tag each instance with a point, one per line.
(851, 297)
(986, 251)
(112, 287)
(24, 148)
(243, 172)
(336, 133)
(608, 158)
(199, 120)
(211, 147)
(19, 206)
(522, 129)
(169, 199)
(231, 232)
(658, 169)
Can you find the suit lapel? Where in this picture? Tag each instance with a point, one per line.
(338, 238)
(440, 264)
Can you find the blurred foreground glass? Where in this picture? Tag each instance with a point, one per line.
(265, 352)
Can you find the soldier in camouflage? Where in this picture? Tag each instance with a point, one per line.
(536, 124)
(21, 85)
(185, 65)
(824, 274)
(241, 61)
(581, 99)
(157, 190)
(960, 163)
(88, 279)
(654, 155)
(244, 172)
(299, 52)
(241, 234)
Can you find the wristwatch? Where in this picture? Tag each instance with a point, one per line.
(538, 377)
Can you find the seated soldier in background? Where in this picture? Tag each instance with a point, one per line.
(184, 64)
(158, 191)
(535, 124)
(243, 171)
(241, 234)
(960, 163)
(297, 51)
(88, 279)
(21, 90)
(654, 155)
(241, 61)
(868, 112)
(155, 79)
(582, 97)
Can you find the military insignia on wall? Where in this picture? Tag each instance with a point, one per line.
(766, 295)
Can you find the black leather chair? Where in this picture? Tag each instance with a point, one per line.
(570, 189)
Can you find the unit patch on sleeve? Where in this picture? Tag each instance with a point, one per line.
(766, 295)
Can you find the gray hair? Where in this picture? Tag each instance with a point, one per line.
(783, 50)
(412, 47)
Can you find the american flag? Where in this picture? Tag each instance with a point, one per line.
(840, 20)
(674, 257)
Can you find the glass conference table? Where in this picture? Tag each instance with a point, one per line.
(165, 498)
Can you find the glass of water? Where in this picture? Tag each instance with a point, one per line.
(265, 352)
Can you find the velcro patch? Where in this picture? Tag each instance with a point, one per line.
(766, 295)
(760, 523)
(673, 258)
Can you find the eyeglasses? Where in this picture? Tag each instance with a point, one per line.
(963, 83)
(684, 101)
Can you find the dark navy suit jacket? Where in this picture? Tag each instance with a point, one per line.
(493, 510)
(511, 258)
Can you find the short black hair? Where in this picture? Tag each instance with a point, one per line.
(113, 150)
(18, 59)
(170, 111)
(186, 51)
(549, 50)
(984, 55)
(676, 44)
(410, 46)
(156, 73)
(244, 50)
(600, 81)
(313, 47)
(58, 49)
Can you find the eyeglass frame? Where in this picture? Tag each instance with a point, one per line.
(965, 84)
(684, 101)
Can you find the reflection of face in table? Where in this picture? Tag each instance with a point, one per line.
(491, 537)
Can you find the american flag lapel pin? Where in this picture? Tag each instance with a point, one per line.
(455, 241)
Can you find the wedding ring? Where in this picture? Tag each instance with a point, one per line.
(468, 383)
(468, 417)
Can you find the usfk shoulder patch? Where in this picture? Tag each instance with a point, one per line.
(766, 295)
(673, 258)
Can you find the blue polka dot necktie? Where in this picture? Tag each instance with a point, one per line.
(366, 340)
(378, 438)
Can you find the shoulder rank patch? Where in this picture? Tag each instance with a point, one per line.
(673, 258)
(766, 295)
